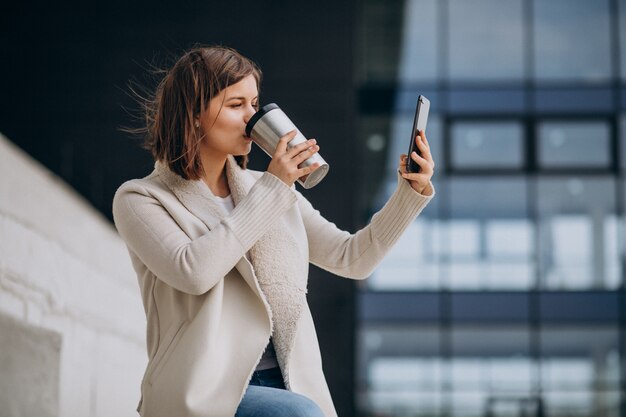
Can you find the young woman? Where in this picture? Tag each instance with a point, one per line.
(222, 252)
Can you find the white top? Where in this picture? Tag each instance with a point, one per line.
(226, 202)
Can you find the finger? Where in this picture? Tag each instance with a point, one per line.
(295, 150)
(417, 176)
(306, 154)
(425, 150)
(423, 163)
(307, 170)
(417, 157)
(281, 146)
(421, 139)
(411, 176)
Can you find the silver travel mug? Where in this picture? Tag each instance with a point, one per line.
(268, 125)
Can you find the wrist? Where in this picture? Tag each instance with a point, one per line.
(423, 190)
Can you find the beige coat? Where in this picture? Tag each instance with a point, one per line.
(211, 309)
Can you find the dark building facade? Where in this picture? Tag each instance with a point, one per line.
(506, 296)
(65, 95)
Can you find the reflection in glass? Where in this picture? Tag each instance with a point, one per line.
(405, 385)
(487, 145)
(410, 264)
(488, 198)
(483, 372)
(399, 371)
(572, 40)
(495, 232)
(579, 357)
(578, 233)
(622, 138)
(574, 144)
(402, 371)
(418, 54)
(475, 53)
(500, 266)
(622, 37)
(580, 370)
(488, 243)
(492, 254)
(571, 254)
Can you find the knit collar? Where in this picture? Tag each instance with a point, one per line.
(196, 192)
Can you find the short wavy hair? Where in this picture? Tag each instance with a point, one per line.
(182, 96)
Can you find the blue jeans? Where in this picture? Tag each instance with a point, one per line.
(266, 396)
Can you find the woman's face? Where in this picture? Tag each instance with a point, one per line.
(224, 124)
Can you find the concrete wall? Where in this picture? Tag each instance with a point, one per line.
(72, 328)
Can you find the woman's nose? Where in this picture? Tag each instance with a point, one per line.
(250, 110)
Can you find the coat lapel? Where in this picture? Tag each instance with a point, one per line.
(197, 197)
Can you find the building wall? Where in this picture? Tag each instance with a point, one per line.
(71, 322)
(79, 77)
(506, 296)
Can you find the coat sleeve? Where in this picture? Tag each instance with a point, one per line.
(195, 266)
(357, 255)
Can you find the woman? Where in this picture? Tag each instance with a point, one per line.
(222, 252)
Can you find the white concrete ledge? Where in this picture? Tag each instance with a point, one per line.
(64, 269)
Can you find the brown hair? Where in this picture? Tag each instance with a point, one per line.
(181, 97)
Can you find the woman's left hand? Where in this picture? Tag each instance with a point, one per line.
(420, 181)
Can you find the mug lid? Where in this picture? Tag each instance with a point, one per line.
(256, 116)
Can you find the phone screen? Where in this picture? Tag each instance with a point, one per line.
(419, 125)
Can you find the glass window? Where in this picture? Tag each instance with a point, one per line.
(510, 251)
(564, 144)
(410, 265)
(487, 145)
(622, 140)
(474, 52)
(418, 51)
(580, 370)
(578, 233)
(407, 384)
(399, 372)
(572, 40)
(622, 36)
(485, 371)
(488, 243)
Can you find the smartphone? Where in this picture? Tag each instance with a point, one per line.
(419, 125)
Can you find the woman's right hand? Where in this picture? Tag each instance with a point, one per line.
(285, 161)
